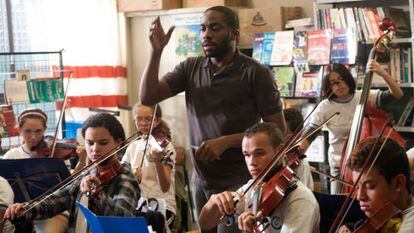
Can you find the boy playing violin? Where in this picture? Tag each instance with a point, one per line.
(297, 212)
(386, 182)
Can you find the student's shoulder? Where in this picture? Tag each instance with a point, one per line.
(302, 193)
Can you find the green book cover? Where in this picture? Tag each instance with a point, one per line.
(285, 80)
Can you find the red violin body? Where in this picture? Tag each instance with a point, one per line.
(108, 171)
(63, 149)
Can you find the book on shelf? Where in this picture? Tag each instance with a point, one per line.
(319, 47)
(282, 48)
(23, 75)
(7, 122)
(344, 46)
(309, 84)
(37, 90)
(268, 40)
(258, 47)
(299, 56)
(408, 111)
(285, 80)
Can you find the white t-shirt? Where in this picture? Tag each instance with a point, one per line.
(407, 225)
(303, 173)
(150, 186)
(16, 153)
(297, 213)
(6, 192)
(340, 126)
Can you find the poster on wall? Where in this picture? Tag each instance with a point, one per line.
(187, 42)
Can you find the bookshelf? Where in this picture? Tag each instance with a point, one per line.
(402, 43)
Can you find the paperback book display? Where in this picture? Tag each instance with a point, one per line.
(285, 80)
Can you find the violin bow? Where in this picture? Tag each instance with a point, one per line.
(346, 206)
(154, 113)
(62, 112)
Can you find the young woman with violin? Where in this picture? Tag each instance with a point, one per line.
(111, 190)
(386, 183)
(155, 171)
(339, 89)
(298, 210)
(32, 126)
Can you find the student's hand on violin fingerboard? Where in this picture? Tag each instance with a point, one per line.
(211, 149)
(246, 221)
(89, 183)
(13, 210)
(224, 202)
(138, 174)
(155, 155)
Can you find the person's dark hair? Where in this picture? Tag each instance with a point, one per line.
(270, 129)
(232, 19)
(32, 114)
(106, 121)
(162, 125)
(294, 119)
(344, 73)
(391, 161)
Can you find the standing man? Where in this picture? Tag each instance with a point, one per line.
(226, 92)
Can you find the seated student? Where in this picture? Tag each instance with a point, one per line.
(386, 182)
(297, 212)
(294, 120)
(31, 124)
(157, 172)
(115, 196)
(6, 199)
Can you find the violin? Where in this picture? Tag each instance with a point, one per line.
(378, 219)
(64, 149)
(106, 173)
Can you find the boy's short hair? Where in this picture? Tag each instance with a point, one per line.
(270, 129)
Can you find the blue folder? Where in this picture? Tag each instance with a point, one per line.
(108, 224)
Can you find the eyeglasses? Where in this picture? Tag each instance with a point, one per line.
(336, 81)
(143, 119)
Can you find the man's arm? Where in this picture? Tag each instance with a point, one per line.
(278, 119)
(151, 89)
(217, 206)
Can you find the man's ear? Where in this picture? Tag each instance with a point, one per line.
(236, 35)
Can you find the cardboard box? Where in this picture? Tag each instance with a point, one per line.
(209, 3)
(256, 20)
(144, 5)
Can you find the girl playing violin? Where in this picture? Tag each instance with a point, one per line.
(32, 126)
(340, 87)
(297, 212)
(386, 182)
(115, 194)
(157, 171)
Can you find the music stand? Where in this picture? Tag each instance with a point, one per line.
(30, 178)
(102, 224)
